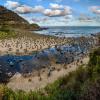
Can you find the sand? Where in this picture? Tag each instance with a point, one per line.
(18, 82)
(26, 45)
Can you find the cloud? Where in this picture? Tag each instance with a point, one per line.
(38, 9)
(55, 6)
(85, 18)
(51, 13)
(56, 11)
(11, 4)
(24, 9)
(95, 9)
(68, 17)
(44, 19)
(35, 19)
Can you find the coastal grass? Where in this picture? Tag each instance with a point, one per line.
(82, 84)
(7, 35)
(6, 32)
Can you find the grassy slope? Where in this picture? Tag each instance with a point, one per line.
(7, 32)
(82, 84)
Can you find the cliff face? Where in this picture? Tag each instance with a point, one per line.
(10, 18)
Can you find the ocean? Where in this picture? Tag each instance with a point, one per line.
(70, 31)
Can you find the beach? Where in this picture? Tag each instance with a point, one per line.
(49, 50)
(24, 45)
(31, 61)
(43, 69)
(42, 79)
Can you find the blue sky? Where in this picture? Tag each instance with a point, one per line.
(57, 12)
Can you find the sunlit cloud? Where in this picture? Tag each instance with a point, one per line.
(11, 4)
(95, 9)
(54, 10)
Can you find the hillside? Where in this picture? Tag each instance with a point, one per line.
(12, 19)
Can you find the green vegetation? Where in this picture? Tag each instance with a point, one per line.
(5, 32)
(6, 35)
(82, 84)
(13, 20)
(35, 25)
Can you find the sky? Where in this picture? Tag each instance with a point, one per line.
(57, 12)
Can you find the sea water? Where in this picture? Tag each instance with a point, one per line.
(70, 31)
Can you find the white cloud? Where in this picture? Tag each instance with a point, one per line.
(56, 10)
(11, 4)
(24, 9)
(27, 9)
(55, 6)
(95, 9)
(68, 17)
(85, 18)
(49, 12)
(53, 11)
(42, 19)
(66, 10)
(38, 9)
